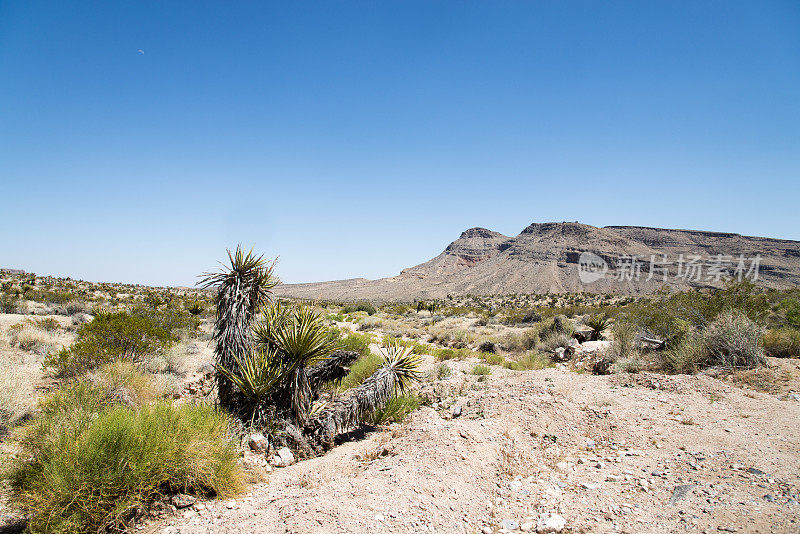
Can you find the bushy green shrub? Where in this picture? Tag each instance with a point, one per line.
(356, 343)
(360, 370)
(481, 369)
(782, 343)
(110, 337)
(733, 340)
(451, 354)
(791, 308)
(88, 465)
(670, 317)
(360, 306)
(397, 409)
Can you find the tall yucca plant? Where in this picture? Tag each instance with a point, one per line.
(277, 366)
(242, 288)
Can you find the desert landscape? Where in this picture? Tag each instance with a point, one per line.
(556, 412)
(399, 267)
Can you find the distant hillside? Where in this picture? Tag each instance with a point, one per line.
(573, 257)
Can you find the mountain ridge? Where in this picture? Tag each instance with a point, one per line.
(553, 257)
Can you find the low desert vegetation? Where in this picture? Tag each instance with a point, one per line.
(110, 337)
(90, 462)
(294, 372)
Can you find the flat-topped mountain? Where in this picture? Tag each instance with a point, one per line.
(569, 257)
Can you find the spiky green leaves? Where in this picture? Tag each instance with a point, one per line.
(257, 373)
(403, 364)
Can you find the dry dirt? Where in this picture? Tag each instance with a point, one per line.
(605, 452)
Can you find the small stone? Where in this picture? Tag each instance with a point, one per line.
(613, 478)
(769, 498)
(680, 492)
(527, 526)
(181, 500)
(457, 410)
(258, 442)
(516, 484)
(379, 517)
(509, 524)
(284, 457)
(487, 530)
(590, 444)
(550, 523)
(231, 504)
(589, 486)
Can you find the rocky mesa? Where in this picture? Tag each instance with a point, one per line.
(568, 257)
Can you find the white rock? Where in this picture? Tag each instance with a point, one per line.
(527, 527)
(283, 458)
(550, 523)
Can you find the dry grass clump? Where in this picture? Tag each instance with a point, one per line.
(782, 343)
(527, 340)
(733, 340)
(14, 397)
(764, 379)
(31, 337)
(686, 356)
(124, 383)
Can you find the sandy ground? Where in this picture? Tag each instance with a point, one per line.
(607, 453)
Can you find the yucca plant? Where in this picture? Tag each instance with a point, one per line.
(598, 324)
(242, 289)
(399, 371)
(272, 370)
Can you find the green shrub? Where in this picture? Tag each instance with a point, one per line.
(360, 306)
(791, 308)
(10, 304)
(110, 337)
(782, 343)
(397, 409)
(733, 340)
(356, 343)
(360, 370)
(451, 354)
(481, 369)
(528, 361)
(670, 317)
(89, 465)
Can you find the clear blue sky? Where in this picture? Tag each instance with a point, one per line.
(139, 139)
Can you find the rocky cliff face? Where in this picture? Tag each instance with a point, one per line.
(573, 257)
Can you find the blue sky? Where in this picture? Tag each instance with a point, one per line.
(140, 139)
